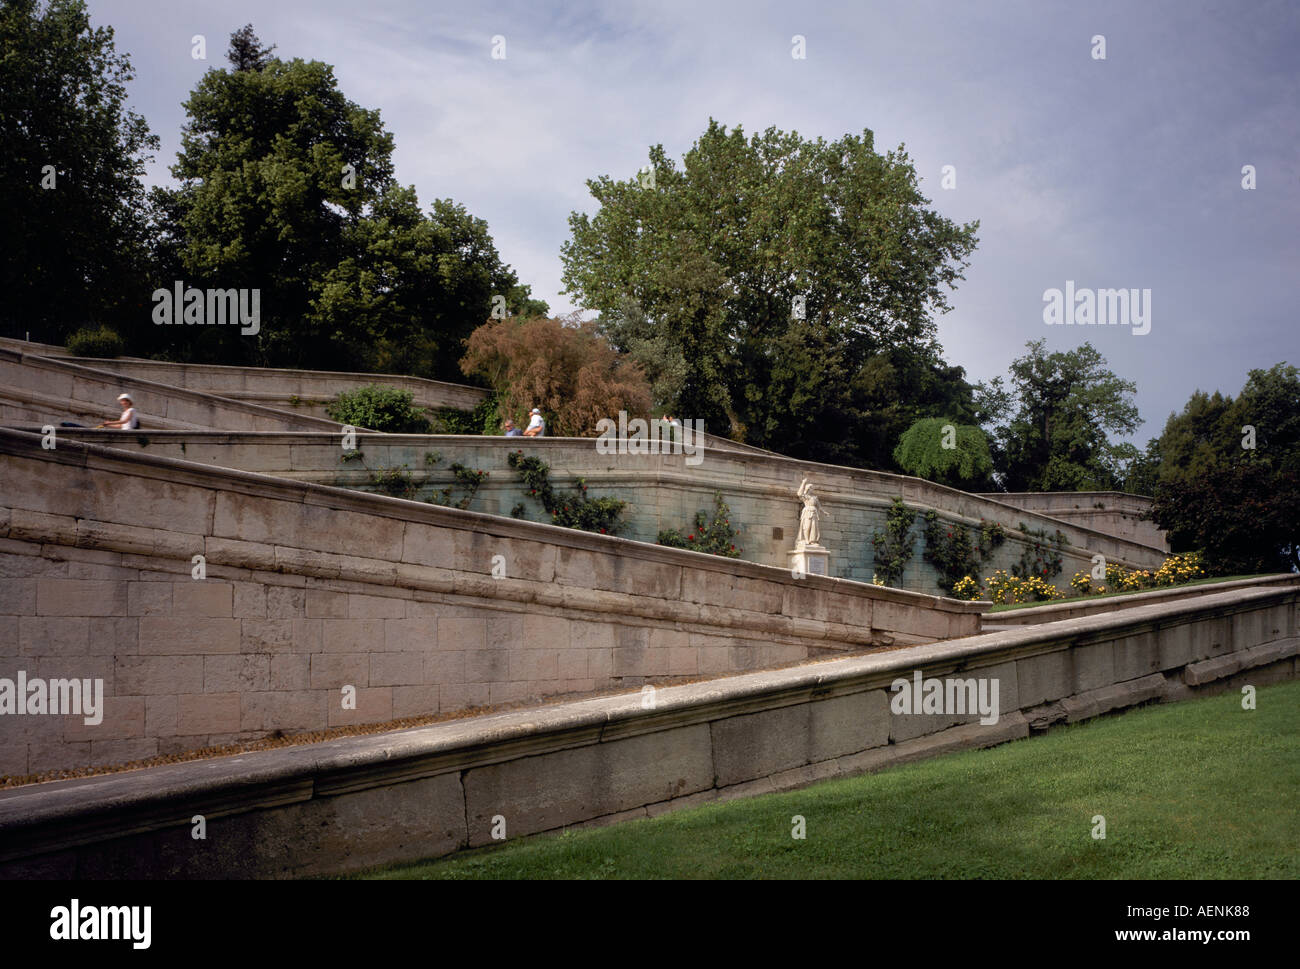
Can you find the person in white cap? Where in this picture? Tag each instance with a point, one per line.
(128, 421)
(536, 426)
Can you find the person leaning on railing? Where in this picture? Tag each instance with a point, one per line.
(128, 421)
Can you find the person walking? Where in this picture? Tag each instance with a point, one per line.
(511, 430)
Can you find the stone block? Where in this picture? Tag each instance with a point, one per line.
(291, 671)
(462, 696)
(462, 634)
(105, 753)
(415, 701)
(17, 598)
(286, 710)
(250, 600)
(203, 598)
(396, 668)
(160, 716)
(207, 713)
(286, 603)
(410, 635)
(1044, 677)
(569, 786)
(110, 635)
(123, 719)
(374, 705)
(236, 674)
(375, 607)
(1094, 666)
(80, 597)
(331, 671)
(352, 635)
(188, 635)
(157, 675)
(47, 636)
(326, 604)
(545, 632)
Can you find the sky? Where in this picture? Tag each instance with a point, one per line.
(1115, 172)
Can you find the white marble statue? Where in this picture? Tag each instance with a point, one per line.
(809, 530)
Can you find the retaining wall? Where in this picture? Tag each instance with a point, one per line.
(1114, 512)
(349, 804)
(663, 491)
(309, 589)
(44, 390)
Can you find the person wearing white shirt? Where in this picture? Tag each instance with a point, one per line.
(536, 426)
(128, 421)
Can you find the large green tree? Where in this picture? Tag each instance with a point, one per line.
(72, 158)
(1055, 421)
(796, 280)
(288, 187)
(1225, 474)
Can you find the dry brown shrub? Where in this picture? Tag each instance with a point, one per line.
(561, 365)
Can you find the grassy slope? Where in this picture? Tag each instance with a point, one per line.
(1200, 789)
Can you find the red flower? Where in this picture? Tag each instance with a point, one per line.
(602, 531)
(690, 538)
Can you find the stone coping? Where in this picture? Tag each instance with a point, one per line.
(82, 810)
(233, 369)
(92, 456)
(64, 365)
(939, 497)
(1054, 612)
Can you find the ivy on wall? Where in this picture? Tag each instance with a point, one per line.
(951, 550)
(893, 547)
(603, 515)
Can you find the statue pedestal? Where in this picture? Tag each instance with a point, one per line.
(810, 560)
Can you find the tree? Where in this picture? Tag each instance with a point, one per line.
(246, 51)
(288, 187)
(952, 454)
(72, 158)
(797, 279)
(1226, 475)
(564, 367)
(1063, 406)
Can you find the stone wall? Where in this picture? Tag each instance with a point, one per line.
(1113, 512)
(301, 391)
(310, 589)
(664, 491)
(44, 390)
(360, 801)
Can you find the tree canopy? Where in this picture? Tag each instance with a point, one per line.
(1225, 474)
(1055, 421)
(288, 187)
(72, 159)
(782, 288)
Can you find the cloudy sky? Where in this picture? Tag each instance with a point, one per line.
(1122, 172)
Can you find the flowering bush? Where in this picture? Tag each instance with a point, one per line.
(1181, 568)
(715, 537)
(1004, 588)
(967, 588)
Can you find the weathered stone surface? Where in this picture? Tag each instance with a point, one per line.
(567, 786)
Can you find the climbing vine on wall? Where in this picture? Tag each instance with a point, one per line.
(468, 479)
(1042, 555)
(893, 546)
(951, 550)
(603, 515)
(716, 537)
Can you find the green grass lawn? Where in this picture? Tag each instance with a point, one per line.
(1199, 789)
(1126, 592)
